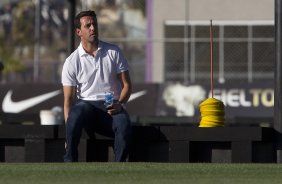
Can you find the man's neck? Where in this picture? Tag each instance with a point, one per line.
(90, 48)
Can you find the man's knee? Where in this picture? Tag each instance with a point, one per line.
(121, 121)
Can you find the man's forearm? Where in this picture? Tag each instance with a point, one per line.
(67, 106)
(66, 112)
(125, 94)
(126, 87)
(69, 98)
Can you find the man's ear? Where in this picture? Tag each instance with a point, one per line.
(77, 31)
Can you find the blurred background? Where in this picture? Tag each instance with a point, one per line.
(163, 40)
(166, 42)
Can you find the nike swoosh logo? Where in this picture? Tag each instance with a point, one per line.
(133, 96)
(15, 107)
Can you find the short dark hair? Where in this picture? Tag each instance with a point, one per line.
(83, 14)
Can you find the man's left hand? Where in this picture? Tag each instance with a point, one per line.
(115, 108)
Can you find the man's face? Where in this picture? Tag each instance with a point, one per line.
(88, 31)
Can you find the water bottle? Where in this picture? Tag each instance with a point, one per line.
(109, 99)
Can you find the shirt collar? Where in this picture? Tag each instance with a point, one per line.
(82, 52)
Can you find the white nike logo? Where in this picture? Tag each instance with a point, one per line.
(15, 107)
(133, 96)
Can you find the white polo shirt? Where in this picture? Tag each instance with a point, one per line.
(94, 76)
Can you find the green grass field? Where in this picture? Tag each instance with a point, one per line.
(131, 173)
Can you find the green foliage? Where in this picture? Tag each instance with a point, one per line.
(11, 64)
(23, 24)
(21, 28)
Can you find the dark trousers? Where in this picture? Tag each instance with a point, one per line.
(93, 117)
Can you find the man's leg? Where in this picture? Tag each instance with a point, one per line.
(122, 131)
(117, 126)
(78, 114)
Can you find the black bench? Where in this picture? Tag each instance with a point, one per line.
(244, 144)
(152, 143)
(32, 138)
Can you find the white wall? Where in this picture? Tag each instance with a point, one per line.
(201, 10)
